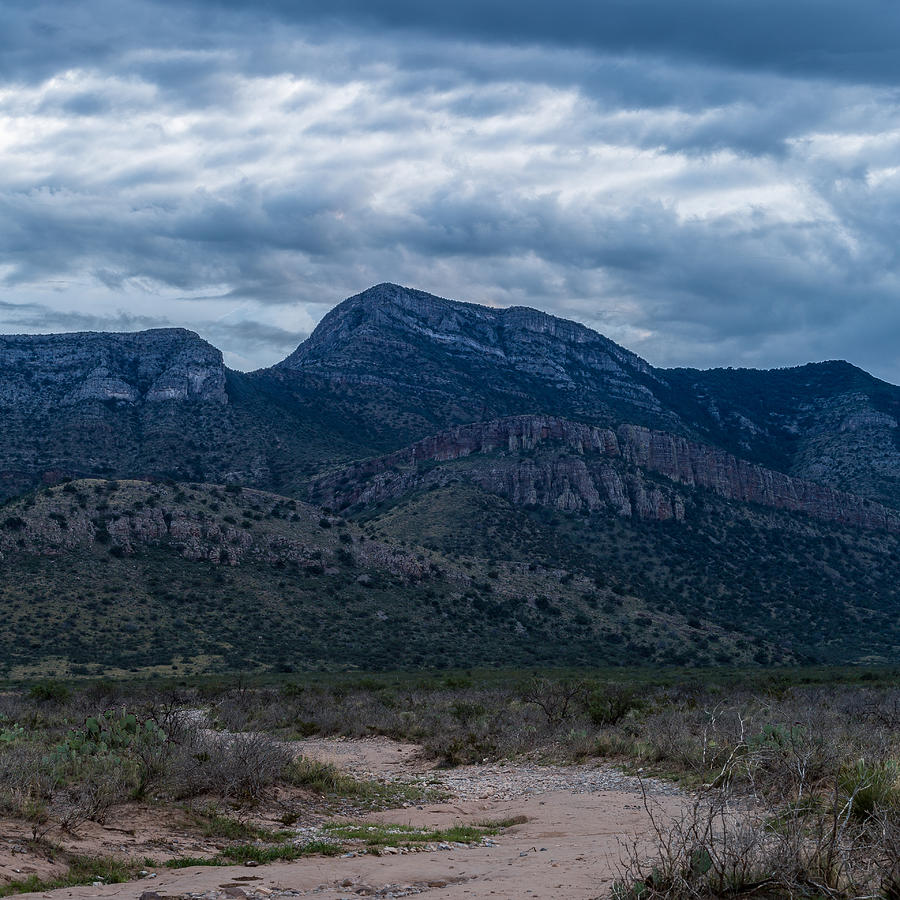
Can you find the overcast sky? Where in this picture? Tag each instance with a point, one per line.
(707, 183)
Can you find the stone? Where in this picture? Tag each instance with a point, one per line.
(585, 467)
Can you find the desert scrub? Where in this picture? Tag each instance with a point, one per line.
(722, 849)
(238, 767)
(787, 814)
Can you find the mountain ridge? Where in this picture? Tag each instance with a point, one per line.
(392, 365)
(679, 516)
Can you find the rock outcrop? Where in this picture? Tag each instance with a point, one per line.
(157, 366)
(582, 466)
(130, 517)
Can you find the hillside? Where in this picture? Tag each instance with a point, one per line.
(106, 576)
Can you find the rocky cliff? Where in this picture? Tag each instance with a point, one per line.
(157, 366)
(555, 462)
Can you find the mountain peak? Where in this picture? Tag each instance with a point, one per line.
(518, 334)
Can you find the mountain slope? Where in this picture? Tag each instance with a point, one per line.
(827, 422)
(156, 403)
(103, 576)
(521, 489)
(819, 591)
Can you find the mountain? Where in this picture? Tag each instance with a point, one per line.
(560, 499)
(155, 404)
(421, 363)
(392, 366)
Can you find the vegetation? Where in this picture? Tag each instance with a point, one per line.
(379, 834)
(795, 771)
(414, 584)
(301, 597)
(79, 870)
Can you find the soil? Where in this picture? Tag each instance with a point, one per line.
(576, 823)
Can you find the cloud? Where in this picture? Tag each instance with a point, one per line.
(820, 37)
(706, 183)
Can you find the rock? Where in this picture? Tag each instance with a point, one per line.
(584, 467)
(159, 365)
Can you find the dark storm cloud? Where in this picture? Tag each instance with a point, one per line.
(828, 38)
(707, 182)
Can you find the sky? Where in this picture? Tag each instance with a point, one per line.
(707, 183)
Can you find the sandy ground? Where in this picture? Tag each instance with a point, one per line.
(570, 845)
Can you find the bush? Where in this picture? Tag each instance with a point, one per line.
(870, 788)
(609, 704)
(49, 691)
(231, 766)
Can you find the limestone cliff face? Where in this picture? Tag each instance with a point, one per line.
(555, 462)
(157, 366)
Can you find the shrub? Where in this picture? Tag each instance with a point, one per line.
(609, 704)
(47, 691)
(870, 788)
(232, 766)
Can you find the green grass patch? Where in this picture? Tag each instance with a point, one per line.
(185, 862)
(251, 852)
(326, 779)
(244, 853)
(501, 824)
(82, 870)
(379, 834)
